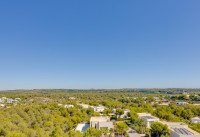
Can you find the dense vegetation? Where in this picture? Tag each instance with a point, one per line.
(38, 114)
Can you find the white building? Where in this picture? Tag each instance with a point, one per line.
(144, 98)
(156, 98)
(101, 122)
(148, 118)
(9, 100)
(66, 106)
(179, 129)
(181, 103)
(98, 108)
(2, 105)
(196, 119)
(86, 106)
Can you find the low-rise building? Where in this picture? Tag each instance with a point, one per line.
(179, 129)
(196, 119)
(72, 98)
(164, 104)
(66, 106)
(98, 108)
(148, 118)
(181, 103)
(86, 106)
(101, 122)
(144, 98)
(156, 98)
(9, 100)
(2, 105)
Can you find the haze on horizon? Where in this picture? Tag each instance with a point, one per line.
(99, 44)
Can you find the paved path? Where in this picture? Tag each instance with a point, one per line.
(132, 133)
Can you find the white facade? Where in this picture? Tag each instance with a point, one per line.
(66, 106)
(2, 105)
(181, 103)
(196, 120)
(9, 100)
(86, 106)
(148, 118)
(98, 108)
(156, 98)
(101, 122)
(144, 98)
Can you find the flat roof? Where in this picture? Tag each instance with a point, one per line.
(175, 124)
(143, 114)
(100, 119)
(180, 128)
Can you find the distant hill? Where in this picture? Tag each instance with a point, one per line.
(125, 90)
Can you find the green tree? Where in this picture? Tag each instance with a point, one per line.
(133, 116)
(57, 132)
(16, 134)
(92, 132)
(75, 134)
(121, 127)
(119, 112)
(158, 128)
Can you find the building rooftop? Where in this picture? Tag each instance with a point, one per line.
(143, 114)
(183, 131)
(180, 128)
(100, 119)
(174, 124)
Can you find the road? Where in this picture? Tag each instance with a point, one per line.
(132, 133)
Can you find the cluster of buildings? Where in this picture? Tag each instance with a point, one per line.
(66, 106)
(100, 122)
(144, 98)
(9, 100)
(177, 129)
(95, 108)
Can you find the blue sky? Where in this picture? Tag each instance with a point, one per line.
(99, 44)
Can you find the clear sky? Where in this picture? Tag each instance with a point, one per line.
(99, 44)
